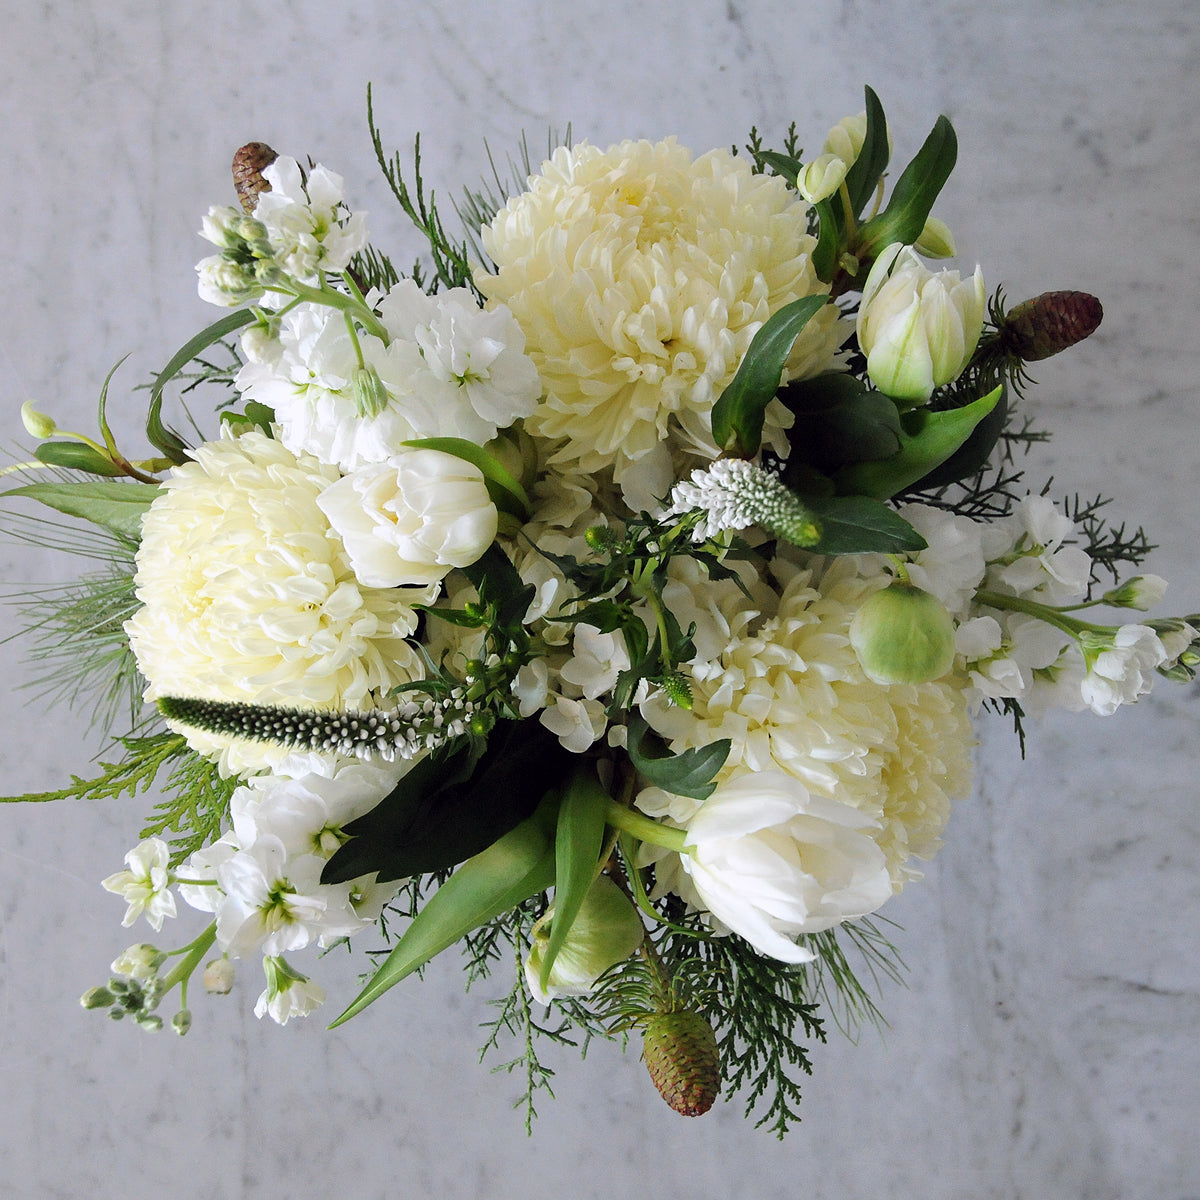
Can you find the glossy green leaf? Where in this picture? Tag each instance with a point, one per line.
(913, 196)
(116, 506)
(861, 525)
(690, 773)
(737, 417)
(578, 841)
(76, 456)
(868, 168)
(505, 489)
(825, 253)
(784, 165)
(451, 806)
(493, 882)
(839, 421)
(973, 454)
(929, 439)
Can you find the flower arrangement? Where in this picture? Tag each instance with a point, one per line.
(612, 596)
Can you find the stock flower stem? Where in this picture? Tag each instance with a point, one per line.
(1043, 612)
(193, 952)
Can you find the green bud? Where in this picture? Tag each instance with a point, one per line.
(37, 424)
(97, 997)
(181, 1022)
(218, 977)
(903, 635)
(935, 240)
(151, 1022)
(370, 396)
(822, 177)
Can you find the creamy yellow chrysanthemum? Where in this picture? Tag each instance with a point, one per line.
(639, 278)
(791, 696)
(248, 595)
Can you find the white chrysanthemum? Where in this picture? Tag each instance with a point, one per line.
(792, 696)
(639, 277)
(247, 595)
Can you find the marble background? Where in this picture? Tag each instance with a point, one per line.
(1047, 1043)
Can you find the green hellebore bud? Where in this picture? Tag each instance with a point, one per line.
(903, 635)
(917, 329)
(606, 931)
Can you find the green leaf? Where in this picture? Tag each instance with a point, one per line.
(783, 165)
(688, 774)
(577, 845)
(76, 456)
(825, 253)
(861, 525)
(914, 194)
(867, 169)
(160, 436)
(927, 441)
(493, 882)
(116, 506)
(974, 453)
(255, 416)
(451, 806)
(505, 490)
(839, 421)
(737, 417)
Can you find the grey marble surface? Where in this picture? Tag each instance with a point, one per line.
(1048, 1043)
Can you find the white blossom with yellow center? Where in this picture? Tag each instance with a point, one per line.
(639, 277)
(248, 595)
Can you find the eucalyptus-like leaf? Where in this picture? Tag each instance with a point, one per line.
(113, 505)
(862, 525)
(737, 417)
(913, 196)
(690, 773)
(511, 870)
(504, 488)
(928, 440)
(76, 456)
(578, 841)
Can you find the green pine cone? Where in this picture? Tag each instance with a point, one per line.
(680, 1050)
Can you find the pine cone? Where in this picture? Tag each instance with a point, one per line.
(680, 1050)
(248, 166)
(1050, 323)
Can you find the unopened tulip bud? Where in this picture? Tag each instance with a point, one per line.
(918, 329)
(936, 240)
(822, 177)
(847, 136)
(902, 634)
(606, 931)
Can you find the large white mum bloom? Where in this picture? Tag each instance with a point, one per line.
(248, 595)
(773, 862)
(639, 277)
(790, 694)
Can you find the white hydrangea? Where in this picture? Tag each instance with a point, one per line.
(248, 595)
(639, 276)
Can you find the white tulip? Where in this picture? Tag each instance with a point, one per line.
(918, 329)
(773, 862)
(412, 519)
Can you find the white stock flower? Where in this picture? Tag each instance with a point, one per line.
(1027, 556)
(576, 723)
(918, 329)
(597, 659)
(248, 595)
(1120, 668)
(1003, 651)
(772, 862)
(951, 567)
(145, 883)
(476, 355)
(639, 277)
(288, 993)
(306, 221)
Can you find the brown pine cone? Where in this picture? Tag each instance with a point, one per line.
(248, 165)
(1050, 323)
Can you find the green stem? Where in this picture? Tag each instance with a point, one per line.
(339, 300)
(644, 828)
(193, 952)
(1043, 612)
